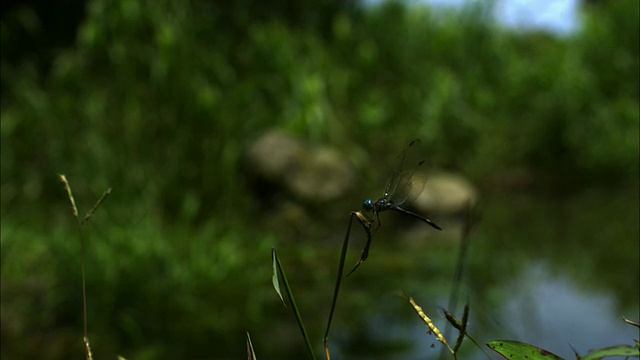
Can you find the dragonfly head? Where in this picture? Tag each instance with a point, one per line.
(368, 205)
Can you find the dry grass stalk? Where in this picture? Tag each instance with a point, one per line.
(429, 323)
(74, 208)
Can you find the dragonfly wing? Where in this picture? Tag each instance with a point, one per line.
(408, 183)
(399, 173)
(409, 186)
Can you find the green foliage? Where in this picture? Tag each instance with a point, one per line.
(613, 351)
(519, 351)
(606, 136)
(153, 97)
(160, 99)
(150, 291)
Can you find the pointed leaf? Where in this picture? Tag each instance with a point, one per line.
(277, 269)
(274, 278)
(251, 354)
(516, 350)
(622, 350)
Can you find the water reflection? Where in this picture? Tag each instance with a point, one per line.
(540, 270)
(552, 312)
(542, 309)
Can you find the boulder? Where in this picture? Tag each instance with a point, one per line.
(311, 175)
(445, 193)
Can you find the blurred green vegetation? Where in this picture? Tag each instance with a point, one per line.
(159, 100)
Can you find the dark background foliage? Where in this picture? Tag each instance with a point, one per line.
(160, 101)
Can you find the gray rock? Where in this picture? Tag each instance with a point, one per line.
(324, 175)
(445, 193)
(274, 156)
(311, 175)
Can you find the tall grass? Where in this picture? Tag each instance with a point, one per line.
(80, 224)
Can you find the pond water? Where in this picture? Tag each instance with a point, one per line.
(555, 271)
(547, 311)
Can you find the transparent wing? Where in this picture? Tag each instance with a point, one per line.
(409, 185)
(401, 175)
(403, 185)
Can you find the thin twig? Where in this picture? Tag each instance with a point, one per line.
(472, 218)
(79, 223)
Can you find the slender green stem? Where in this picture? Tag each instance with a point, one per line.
(294, 306)
(80, 223)
(84, 296)
(366, 225)
(471, 220)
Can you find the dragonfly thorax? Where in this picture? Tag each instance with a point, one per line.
(368, 205)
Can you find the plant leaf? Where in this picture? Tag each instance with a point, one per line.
(251, 354)
(277, 269)
(516, 350)
(622, 350)
(274, 278)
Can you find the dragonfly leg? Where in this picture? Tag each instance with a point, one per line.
(366, 225)
(377, 218)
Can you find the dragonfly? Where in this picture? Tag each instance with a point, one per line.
(401, 186)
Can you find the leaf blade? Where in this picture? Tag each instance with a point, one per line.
(516, 350)
(274, 278)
